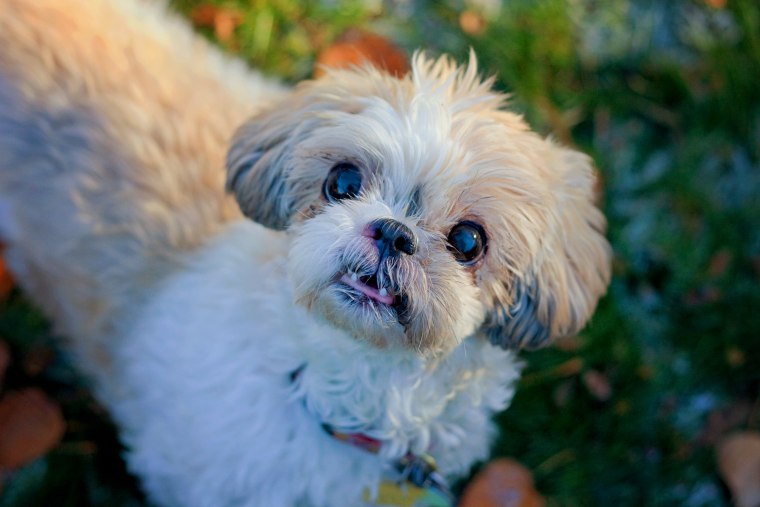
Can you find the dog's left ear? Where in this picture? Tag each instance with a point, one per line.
(557, 295)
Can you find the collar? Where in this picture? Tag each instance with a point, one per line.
(411, 481)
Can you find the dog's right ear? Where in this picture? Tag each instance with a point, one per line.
(258, 164)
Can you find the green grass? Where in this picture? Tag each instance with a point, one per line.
(666, 97)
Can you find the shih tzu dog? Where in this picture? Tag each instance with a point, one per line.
(345, 339)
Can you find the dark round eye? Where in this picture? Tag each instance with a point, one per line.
(467, 241)
(343, 182)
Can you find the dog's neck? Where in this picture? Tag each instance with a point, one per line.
(408, 403)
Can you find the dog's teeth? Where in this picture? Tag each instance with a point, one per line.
(383, 292)
(354, 276)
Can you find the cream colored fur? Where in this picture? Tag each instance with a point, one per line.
(132, 108)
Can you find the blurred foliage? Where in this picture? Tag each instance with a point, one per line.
(665, 97)
(281, 37)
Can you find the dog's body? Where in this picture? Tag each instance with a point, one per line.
(222, 347)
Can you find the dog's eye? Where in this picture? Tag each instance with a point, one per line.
(467, 241)
(343, 182)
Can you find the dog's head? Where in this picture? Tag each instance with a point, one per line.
(420, 212)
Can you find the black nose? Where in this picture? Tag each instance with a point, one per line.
(393, 237)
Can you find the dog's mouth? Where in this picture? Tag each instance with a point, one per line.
(368, 290)
(367, 285)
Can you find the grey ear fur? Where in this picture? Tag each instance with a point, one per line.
(257, 176)
(259, 161)
(519, 326)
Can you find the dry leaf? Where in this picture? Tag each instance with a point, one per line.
(569, 344)
(37, 360)
(472, 23)
(223, 20)
(563, 392)
(356, 47)
(569, 368)
(735, 357)
(739, 464)
(598, 385)
(30, 425)
(6, 280)
(204, 15)
(717, 4)
(502, 483)
(719, 263)
(225, 24)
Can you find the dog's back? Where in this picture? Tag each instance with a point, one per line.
(114, 122)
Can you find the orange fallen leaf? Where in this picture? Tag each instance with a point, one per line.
(717, 4)
(569, 344)
(502, 483)
(597, 384)
(569, 368)
(739, 464)
(472, 23)
(30, 425)
(223, 20)
(6, 280)
(358, 48)
(203, 15)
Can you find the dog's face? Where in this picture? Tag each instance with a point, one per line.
(421, 213)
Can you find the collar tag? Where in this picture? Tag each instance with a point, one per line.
(394, 494)
(415, 482)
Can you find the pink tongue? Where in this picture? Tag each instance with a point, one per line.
(368, 291)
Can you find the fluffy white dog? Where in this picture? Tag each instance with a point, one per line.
(405, 235)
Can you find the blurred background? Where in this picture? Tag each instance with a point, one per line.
(657, 402)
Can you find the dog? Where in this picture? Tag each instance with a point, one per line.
(339, 326)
